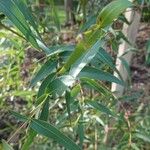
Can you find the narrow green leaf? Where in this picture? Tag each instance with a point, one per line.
(44, 71)
(68, 101)
(124, 19)
(41, 99)
(111, 12)
(144, 137)
(6, 146)
(29, 139)
(106, 58)
(95, 85)
(100, 107)
(80, 131)
(21, 4)
(57, 87)
(97, 74)
(12, 11)
(43, 116)
(60, 85)
(50, 131)
(82, 47)
(75, 91)
(85, 58)
(45, 110)
(41, 96)
(45, 83)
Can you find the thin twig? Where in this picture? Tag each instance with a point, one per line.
(7, 28)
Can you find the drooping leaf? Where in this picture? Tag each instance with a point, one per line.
(56, 87)
(124, 19)
(97, 74)
(111, 12)
(21, 4)
(60, 85)
(82, 47)
(105, 58)
(80, 131)
(85, 58)
(51, 132)
(68, 101)
(44, 71)
(42, 116)
(100, 107)
(45, 83)
(12, 11)
(96, 86)
(19, 116)
(45, 110)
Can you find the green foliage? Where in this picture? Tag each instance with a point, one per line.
(51, 132)
(72, 102)
(15, 12)
(111, 12)
(6, 146)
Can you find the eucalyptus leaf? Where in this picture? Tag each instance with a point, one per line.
(45, 70)
(93, 73)
(51, 132)
(45, 83)
(97, 86)
(100, 107)
(16, 15)
(85, 58)
(111, 12)
(90, 38)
